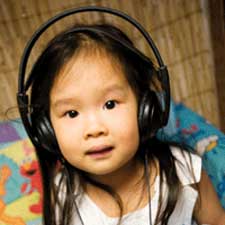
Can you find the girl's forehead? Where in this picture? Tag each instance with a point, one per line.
(94, 70)
(91, 66)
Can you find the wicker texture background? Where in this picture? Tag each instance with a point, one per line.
(180, 29)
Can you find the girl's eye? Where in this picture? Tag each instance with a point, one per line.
(110, 104)
(71, 113)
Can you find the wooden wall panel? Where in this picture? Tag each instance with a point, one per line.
(180, 29)
(217, 28)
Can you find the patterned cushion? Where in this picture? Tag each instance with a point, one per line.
(20, 181)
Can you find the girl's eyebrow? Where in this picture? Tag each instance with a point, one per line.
(63, 101)
(113, 88)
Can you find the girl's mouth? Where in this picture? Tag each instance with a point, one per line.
(100, 152)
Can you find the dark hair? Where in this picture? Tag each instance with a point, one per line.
(138, 73)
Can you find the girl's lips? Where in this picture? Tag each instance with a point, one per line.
(100, 151)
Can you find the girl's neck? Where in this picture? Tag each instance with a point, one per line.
(128, 183)
(127, 176)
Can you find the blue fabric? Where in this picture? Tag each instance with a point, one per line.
(191, 129)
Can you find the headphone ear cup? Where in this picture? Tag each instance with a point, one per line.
(149, 117)
(45, 134)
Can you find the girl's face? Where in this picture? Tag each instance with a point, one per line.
(93, 111)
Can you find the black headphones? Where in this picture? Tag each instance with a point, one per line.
(154, 106)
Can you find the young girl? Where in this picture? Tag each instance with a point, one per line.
(100, 171)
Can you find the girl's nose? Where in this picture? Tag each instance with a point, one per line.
(94, 127)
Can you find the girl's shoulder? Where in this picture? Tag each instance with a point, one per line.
(188, 165)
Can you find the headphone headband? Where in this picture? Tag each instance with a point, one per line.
(38, 33)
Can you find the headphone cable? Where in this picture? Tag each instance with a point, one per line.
(74, 196)
(147, 179)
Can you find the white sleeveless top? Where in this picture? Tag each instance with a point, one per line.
(91, 214)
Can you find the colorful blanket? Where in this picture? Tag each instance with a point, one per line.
(20, 179)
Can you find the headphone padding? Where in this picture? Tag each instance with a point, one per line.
(45, 134)
(148, 117)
